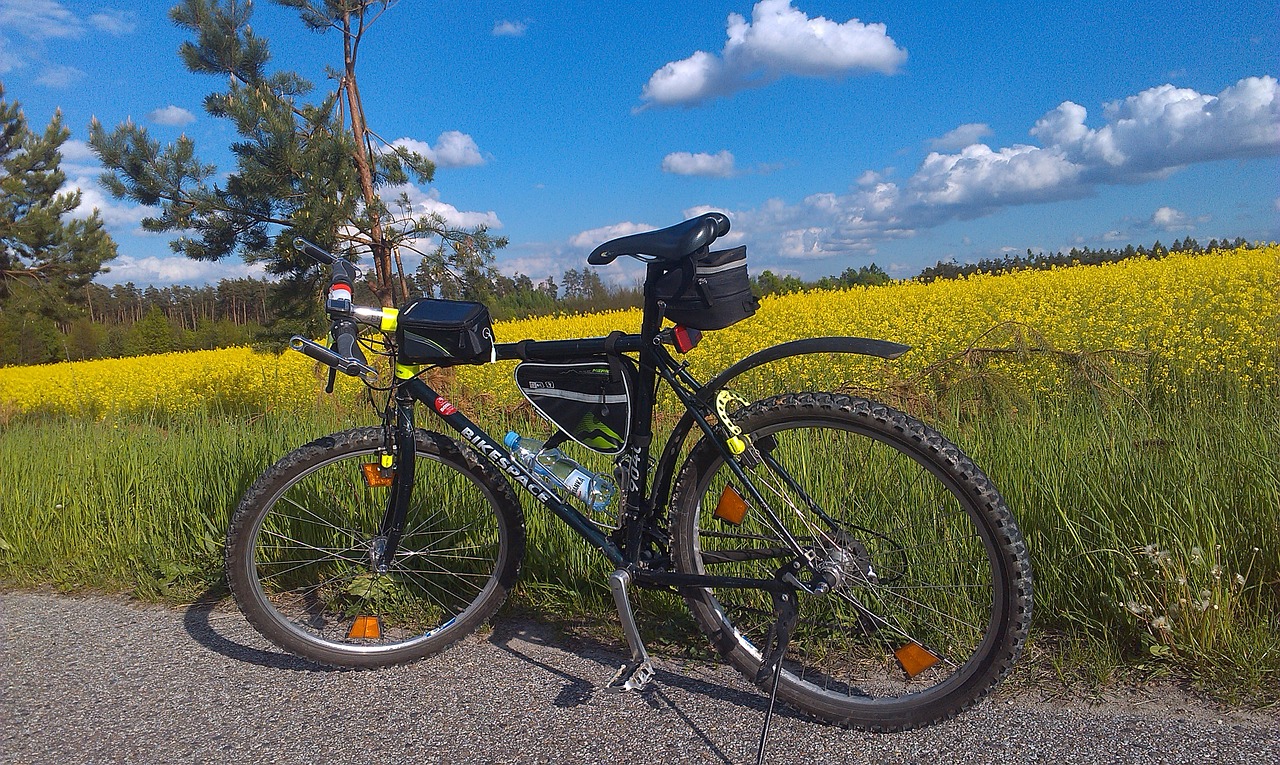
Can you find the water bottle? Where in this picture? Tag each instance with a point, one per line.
(595, 490)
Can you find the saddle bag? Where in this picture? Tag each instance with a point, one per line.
(444, 333)
(588, 399)
(708, 292)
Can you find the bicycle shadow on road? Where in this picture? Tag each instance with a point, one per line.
(580, 691)
(196, 621)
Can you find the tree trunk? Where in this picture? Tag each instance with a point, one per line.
(384, 287)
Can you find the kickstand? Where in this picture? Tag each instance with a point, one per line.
(784, 609)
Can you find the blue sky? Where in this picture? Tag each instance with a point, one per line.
(834, 134)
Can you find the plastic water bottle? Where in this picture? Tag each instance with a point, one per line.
(594, 489)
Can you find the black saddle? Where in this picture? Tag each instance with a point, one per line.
(669, 244)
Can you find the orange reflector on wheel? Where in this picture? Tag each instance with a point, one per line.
(376, 476)
(731, 508)
(365, 627)
(915, 659)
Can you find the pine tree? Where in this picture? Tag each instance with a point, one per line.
(46, 254)
(304, 168)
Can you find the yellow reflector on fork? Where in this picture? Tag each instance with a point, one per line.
(365, 627)
(915, 659)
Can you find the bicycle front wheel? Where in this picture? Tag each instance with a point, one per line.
(301, 551)
(932, 599)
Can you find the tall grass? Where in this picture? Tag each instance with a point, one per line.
(1154, 528)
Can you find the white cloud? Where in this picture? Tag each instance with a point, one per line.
(719, 165)
(1144, 137)
(591, 238)
(59, 76)
(119, 217)
(453, 149)
(429, 202)
(172, 115)
(1161, 129)
(965, 135)
(9, 60)
(176, 269)
(39, 19)
(114, 22)
(509, 28)
(780, 40)
(1168, 219)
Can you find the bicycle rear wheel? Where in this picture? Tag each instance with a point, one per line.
(299, 552)
(934, 595)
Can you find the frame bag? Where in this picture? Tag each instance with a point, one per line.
(444, 333)
(589, 399)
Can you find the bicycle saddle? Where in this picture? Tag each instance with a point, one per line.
(670, 244)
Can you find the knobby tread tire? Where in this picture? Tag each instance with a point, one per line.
(279, 477)
(1010, 561)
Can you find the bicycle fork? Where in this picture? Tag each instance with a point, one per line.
(404, 454)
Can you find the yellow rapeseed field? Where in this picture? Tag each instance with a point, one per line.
(1215, 314)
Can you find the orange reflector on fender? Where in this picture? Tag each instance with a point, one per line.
(376, 476)
(731, 508)
(915, 659)
(365, 627)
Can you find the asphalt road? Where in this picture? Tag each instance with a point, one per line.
(102, 680)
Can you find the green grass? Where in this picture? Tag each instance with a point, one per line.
(1154, 529)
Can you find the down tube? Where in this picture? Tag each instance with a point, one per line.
(501, 459)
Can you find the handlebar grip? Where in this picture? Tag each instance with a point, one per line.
(345, 334)
(313, 251)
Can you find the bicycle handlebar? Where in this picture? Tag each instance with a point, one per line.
(345, 354)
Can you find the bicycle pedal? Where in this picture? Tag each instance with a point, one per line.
(633, 676)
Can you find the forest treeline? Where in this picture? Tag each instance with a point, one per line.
(127, 320)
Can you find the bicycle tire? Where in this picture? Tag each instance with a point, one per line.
(942, 565)
(459, 556)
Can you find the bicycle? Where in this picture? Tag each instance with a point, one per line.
(844, 556)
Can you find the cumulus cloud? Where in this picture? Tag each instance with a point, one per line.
(509, 28)
(119, 217)
(778, 41)
(1169, 218)
(172, 115)
(718, 165)
(965, 135)
(176, 269)
(1143, 137)
(428, 201)
(453, 149)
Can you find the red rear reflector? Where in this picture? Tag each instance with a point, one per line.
(365, 627)
(731, 508)
(915, 659)
(685, 339)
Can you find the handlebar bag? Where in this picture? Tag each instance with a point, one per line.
(444, 332)
(708, 292)
(588, 399)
